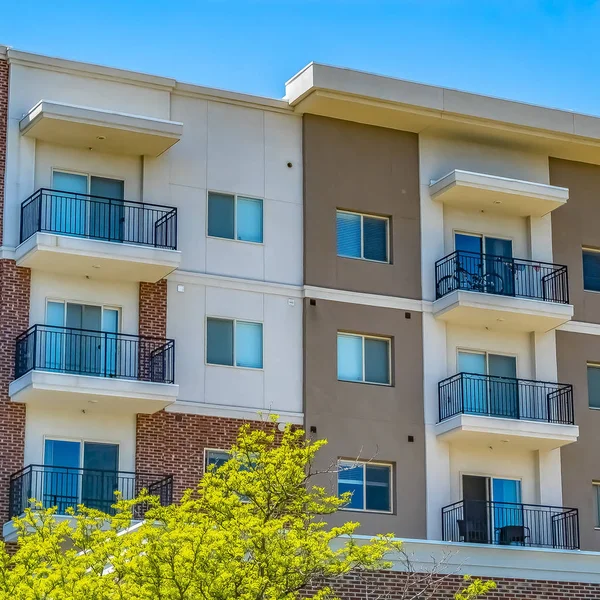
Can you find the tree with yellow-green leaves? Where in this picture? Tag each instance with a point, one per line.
(254, 529)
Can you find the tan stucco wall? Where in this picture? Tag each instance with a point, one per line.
(370, 421)
(364, 169)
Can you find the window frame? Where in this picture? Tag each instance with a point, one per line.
(81, 441)
(596, 488)
(88, 175)
(235, 321)
(594, 365)
(593, 251)
(103, 307)
(363, 337)
(235, 217)
(207, 451)
(362, 236)
(364, 464)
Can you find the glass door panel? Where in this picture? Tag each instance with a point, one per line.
(53, 343)
(100, 478)
(474, 385)
(504, 394)
(61, 475)
(508, 512)
(68, 211)
(84, 348)
(469, 267)
(110, 325)
(475, 526)
(499, 266)
(107, 213)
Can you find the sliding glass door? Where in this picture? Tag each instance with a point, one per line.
(496, 395)
(78, 472)
(89, 346)
(74, 212)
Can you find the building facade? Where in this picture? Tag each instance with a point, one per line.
(408, 271)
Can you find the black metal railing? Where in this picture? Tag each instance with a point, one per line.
(469, 393)
(68, 487)
(99, 218)
(95, 353)
(507, 523)
(489, 274)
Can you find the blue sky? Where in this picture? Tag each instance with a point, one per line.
(544, 52)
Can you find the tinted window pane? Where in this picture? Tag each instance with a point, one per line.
(351, 479)
(220, 215)
(377, 368)
(219, 342)
(250, 220)
(375, 239)
(217, 458)
(591, 270)
(249, 345)
(348, 235)
(593, 377)
(349, 357)
(378, 487)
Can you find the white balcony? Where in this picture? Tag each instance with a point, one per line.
(497, 195)
(100, 130)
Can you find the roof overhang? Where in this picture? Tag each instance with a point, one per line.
(101, 130)
(397, 104)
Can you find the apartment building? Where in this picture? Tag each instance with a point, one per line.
(410, 272)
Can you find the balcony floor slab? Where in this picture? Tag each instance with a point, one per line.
(84, 392)
(96, 259)
(484, 431)
(501, 313)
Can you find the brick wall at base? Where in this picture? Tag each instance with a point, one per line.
(174, 444)
(14, 319)
(391, 585)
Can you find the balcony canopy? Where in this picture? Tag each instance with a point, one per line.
(497, 195)
(101, 130)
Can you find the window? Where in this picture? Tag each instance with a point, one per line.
(369, 483)
(363, 358)
(234, 343)
(591, 270)
(593, 379)
(596, 488)
(235, 217)
(216, 457)
(362, 236)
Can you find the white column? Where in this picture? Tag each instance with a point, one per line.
(437, 454)
(540, 238)
(550, 477)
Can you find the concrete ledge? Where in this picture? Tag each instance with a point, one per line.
(497, 195)
(96, 259)
(501, 313)
(500, 561)
(56, 390)
(483, 430)
(101, 130)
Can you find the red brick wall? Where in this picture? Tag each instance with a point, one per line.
(391, 585)
(153, 309)
(174, 443)
(14, 319)
(3, 127)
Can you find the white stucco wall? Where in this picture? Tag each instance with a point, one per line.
(495, 342)
(277, 387)
(91, 425)
(49, 286)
